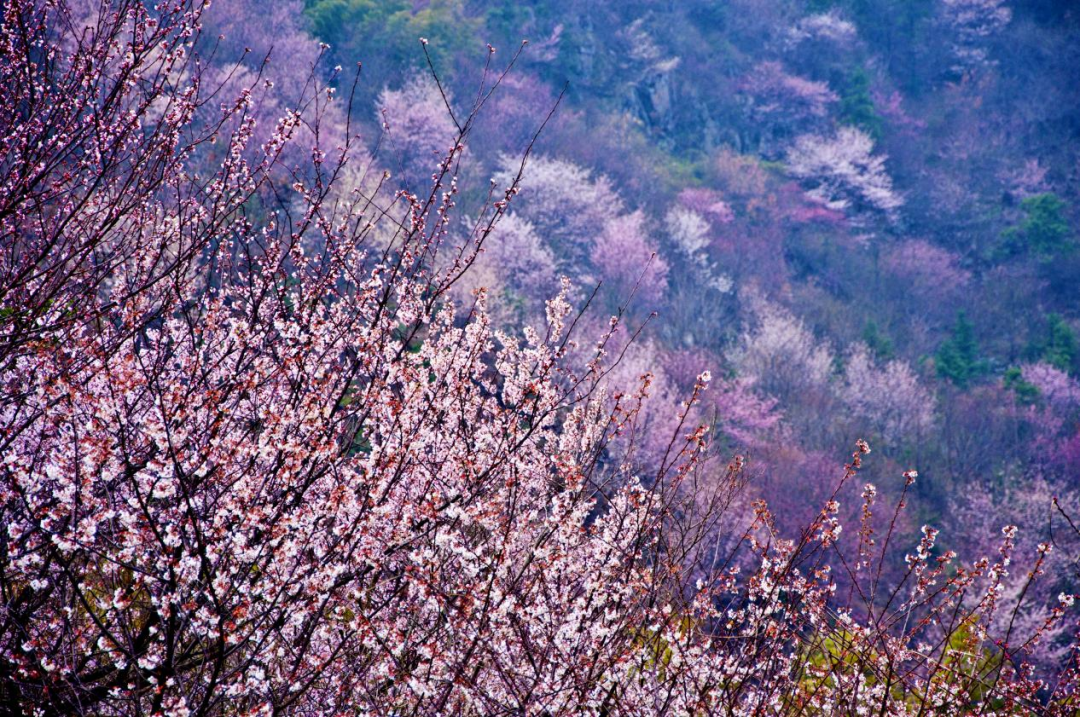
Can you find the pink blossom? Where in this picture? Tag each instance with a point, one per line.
(419, 129)
(888, 398)
(891, 107)
(1059, 389)
(708, 203)
(241, 476)
(774, 92)
(625, 255)
(567, 205)
(926, 268)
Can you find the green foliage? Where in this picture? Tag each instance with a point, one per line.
(1061, 346)
(385, 34)
(965, 662)
(879, 343)
(957, 358)
(965, 655)
(899, 31)
(856, 104)
(840, 652)
(1058, 345)
(1026, 393)
(1043, 233)
(656, 652)
(835, 652)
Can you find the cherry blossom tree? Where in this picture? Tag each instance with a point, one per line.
(972, 23)
(708, 203)
(888, 399)
(418, 129)
(926, 268)
(843, 172)
(746, 418)
(1052, 413)
(636, 374)
(1058, 388)
(784, 103)
(516, 111)
(78, 166)
(829, 26)
(891, 107)
(781, 354)
(1038, 510)
(689, 231)
(249, 32)
(245, 43)
(518, 270)
(822, 45)
(566, 204)
(625, 256)
(220, 491)
(740, 414)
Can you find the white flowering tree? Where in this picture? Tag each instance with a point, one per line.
(828, 26)
(781, 354)
(972, 24)
(889, 399)
(843, 172)
(567, 204)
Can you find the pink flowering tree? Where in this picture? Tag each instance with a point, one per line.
(1038, 509)
(635, 375)
(516, 111)
(781, 104)
(249, 32)
(250, 44)
(74, 205)
(626, 258)
(743, 416)
(418, 130)
(517, 268)
(781, 354)
(926, 269)
(1057, 388)
(783, 358)
(1053, 415)
(707, 202)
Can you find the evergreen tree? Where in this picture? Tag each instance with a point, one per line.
(958, 356)
(1026, 393)
(1044, 231)
(878, 341)
(1060, 350)
(856, 104)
